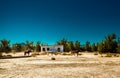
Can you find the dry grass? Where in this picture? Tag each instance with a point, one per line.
(34, 54)
(66, 53)
(42, 53)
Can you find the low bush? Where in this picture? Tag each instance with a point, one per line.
(8, 56)
(66, 53)
(108, 55)
(116, 55)
(1, 54)
(34, 54)
(53, 58)
(95, 53)
(43, 53)
(80, 54)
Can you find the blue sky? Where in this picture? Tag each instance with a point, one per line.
(51, 20)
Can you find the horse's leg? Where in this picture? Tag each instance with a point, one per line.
(77, 54)
(28, 53)
(24, 53)
(73, 53)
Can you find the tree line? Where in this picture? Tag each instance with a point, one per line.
(110, 44)
(18, 47)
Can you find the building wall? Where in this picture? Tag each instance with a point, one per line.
(57, 48)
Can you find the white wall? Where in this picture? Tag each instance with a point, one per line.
(52, 48)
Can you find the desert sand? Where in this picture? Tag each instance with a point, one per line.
(86, 65)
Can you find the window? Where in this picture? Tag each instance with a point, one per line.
(58, 49)
(43, 49)
(48, 49)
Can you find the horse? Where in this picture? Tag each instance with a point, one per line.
(27, 52)
(75, 52)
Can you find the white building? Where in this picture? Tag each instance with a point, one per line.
(52, 48)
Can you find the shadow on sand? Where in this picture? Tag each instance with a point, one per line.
(4, 57)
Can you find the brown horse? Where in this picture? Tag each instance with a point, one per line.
(75, 52)
(27, 52)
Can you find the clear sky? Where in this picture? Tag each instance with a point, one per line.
(51, 20)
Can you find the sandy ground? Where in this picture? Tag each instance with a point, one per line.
(87, 65)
